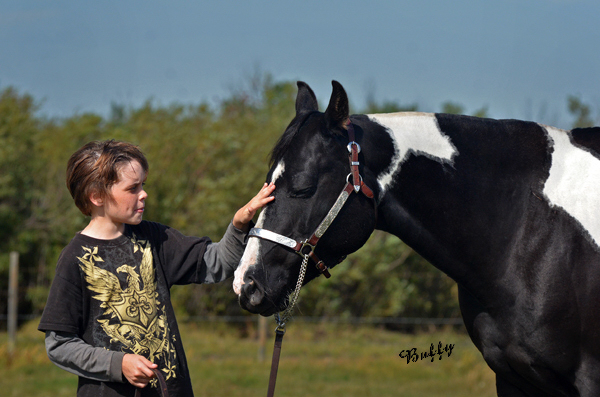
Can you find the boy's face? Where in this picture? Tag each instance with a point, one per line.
(128, 195)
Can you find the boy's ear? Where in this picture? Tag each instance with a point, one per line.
(96, 199)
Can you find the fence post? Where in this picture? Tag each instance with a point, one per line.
(13, 285)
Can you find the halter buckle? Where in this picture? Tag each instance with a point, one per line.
(323, 269)
(353, 143)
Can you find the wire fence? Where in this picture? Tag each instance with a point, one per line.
(336, 320)
(303, 319)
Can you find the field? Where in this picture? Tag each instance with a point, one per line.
(316, 360)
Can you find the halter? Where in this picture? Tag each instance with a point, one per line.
(306, 248)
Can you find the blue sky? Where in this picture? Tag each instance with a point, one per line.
(520, 58)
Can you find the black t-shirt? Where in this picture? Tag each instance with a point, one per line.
(115, 294)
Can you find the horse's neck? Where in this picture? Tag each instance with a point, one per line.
(455, 187)
(407, 137)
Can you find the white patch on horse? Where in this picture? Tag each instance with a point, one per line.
(417, 133)
(251, 254)
(252, 251)
(574, 182)
(278, 171)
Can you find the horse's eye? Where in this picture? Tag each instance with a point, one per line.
(306, 192)
(304, 185)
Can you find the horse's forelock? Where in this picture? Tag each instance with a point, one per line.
(285, 140)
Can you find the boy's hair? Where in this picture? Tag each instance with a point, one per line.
(95, 168)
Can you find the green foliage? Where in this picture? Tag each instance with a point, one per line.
(452, 108)
(580, 111)
(18, 132)
(456, 108)
(372, 107)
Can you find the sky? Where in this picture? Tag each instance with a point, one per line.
(519, 58)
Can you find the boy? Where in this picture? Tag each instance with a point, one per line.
(109, 317)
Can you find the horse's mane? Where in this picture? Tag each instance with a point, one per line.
(285, 140)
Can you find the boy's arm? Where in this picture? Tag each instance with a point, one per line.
(72, 354)
(222, 258)
(197, 260)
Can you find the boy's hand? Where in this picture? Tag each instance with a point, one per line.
(247, 212)
(137, 369)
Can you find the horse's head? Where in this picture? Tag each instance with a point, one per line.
(310, 167)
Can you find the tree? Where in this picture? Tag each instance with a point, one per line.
(580, 111)
(455, 108)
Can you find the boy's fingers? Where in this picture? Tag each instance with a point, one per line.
(148, 372)
(138, 369)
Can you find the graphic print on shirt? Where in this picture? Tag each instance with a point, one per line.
(133, 316)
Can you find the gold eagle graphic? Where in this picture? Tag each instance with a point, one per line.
(131, 314)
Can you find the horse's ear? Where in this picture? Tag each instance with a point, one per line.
(337, 112)
(306, 101)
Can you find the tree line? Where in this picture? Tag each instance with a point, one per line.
(205, 162)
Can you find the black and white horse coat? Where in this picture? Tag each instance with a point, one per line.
(508, 209)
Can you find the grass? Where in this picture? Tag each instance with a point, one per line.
(316, 360)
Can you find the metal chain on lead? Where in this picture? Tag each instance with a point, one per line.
(287, 314)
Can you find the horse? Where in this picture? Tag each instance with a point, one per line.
(507, 208)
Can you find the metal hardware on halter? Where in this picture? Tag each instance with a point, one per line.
(356, 187)
(353, 143)
(305, 244)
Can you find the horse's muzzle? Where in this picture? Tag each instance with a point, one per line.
(252, 298)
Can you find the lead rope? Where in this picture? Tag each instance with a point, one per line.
(280, 330)
(162, 385)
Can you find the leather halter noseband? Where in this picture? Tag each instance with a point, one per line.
(307, 247)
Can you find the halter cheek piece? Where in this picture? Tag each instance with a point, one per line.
(306, 248)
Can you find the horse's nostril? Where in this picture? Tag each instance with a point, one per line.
(256, 298)
(253, 293)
